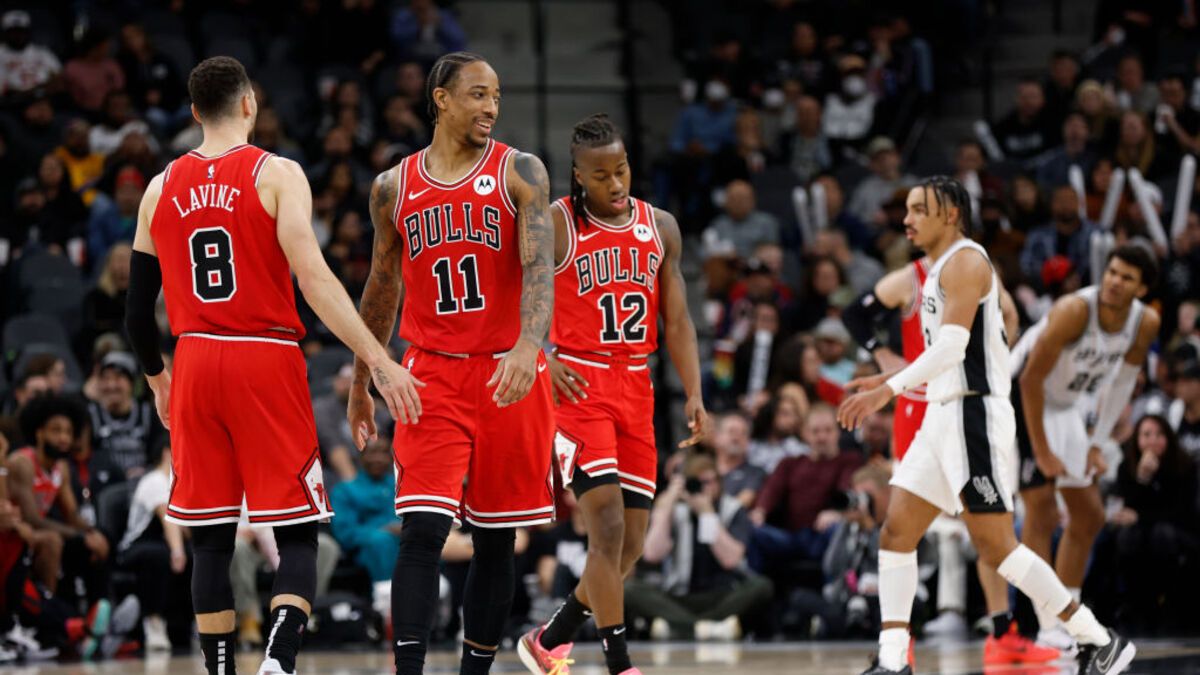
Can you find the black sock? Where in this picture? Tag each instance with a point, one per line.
(616, 654)
(476, 661)
(219, 650)
(1000, 623)
(409, 653)
(287, 628)
(566, 622)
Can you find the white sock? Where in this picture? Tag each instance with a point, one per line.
(1076, 593)
(1084, 627)
(1046, 618)
(893, 648)
(952, 575)
(1025, 570)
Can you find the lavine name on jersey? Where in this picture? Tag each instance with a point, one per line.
(211, 196)
(437, 225)
(616, 263)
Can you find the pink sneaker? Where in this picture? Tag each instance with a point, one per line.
(631, 671)
(542, 661)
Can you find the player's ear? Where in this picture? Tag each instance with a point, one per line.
(440, 98)
(196, 115)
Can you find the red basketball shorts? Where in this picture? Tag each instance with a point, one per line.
(242, 423)
(503, 454)
(612, 430)
(905, 423)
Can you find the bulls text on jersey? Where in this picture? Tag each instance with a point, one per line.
(437, 225)
(616, 263)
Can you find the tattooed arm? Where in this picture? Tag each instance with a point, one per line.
(530, 189)
(378, 307)
(678, 330)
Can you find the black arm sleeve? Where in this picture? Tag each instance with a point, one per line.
(145, 282)
(865, 318)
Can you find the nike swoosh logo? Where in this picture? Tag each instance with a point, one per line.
(541, 367)
(585, 237)
(402, 643)
(414, 195)
(1103, 664)
(482, 656)
(618, 632)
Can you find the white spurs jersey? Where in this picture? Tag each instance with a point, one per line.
(984, 370)
(1086, 365)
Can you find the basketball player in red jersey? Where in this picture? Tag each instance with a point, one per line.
(900, 290)
(463, 231)
(220, 230)
(617, 271)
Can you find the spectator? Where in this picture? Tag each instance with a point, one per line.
(366, 526)
(1184, 412)
(51, 367)
(825, 283)
(270, 135)
(702, 534)
(875, 439)
(403, 125)
(739, 478)
(423, 32)
(333, 432)
(839, 217)
(775, 435)
(759, 285)
(38, 484)
(114, 220)
(1136, 149)
(1132, 91)
(1054, 167)
(793, 511)
(861, 270)
(154, 83)
(748, 155)
(338, 148)
(833, 344)
(1060, 86)
(94, 73)
(119, 120)
(805, 63)
(349, 109)
(1027, 131)
(703, 129)
(1155, 524)
(741, 224)
(850, 107)
(410, 83)
(83, 164)
(123, 428)
(1066, 234)
(754, 356)
(1176, 125)
(62, 219)
(104, 304)
(37, 132)
(358, 31)
(1099, 110)
(810, 152)
(970, 169)
(885, 179)
(24, 65)
(153, 549)
(26, 387)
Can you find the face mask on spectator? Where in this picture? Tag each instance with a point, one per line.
(716, 91)
(854, 86)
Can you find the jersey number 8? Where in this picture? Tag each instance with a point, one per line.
(213, 276)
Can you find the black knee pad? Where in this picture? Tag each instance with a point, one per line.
(297, 573)
(422, 536)
(212, 549)
(493, 544)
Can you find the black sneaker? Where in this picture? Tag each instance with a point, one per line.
(1112, 658)
(877, 669)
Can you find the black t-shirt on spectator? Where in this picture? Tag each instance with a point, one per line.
(707, 573)
(1189, 437)
(1022, 140)
(744, 477)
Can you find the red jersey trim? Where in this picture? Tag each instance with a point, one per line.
(502, 179)
(633, 218)
(433, 182)
(167, 175)
(403, 168)
(662, 250)
(918, 278)
(256, 172)
(566, 262)
(230, 151)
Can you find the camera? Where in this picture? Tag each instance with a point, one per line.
(693, 486)
(852, 500)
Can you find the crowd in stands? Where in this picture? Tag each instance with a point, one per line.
(787, 169)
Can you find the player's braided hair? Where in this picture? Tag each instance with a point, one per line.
(442, 75)
(949, 192)
(592, 131)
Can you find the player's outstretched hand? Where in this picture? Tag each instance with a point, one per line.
(570, 383)
(858, 407)
(865, 383)
(160, 384)
(515, 373)
(360, 412)
(698, 422)
(398, 388)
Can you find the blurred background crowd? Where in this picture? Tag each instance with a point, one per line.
(784, 135)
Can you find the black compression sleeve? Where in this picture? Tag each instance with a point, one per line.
(864, 318)
(145, 282)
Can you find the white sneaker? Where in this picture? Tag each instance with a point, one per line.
(660, 629)
(7, 655)
(703, 630)
(24, 641)
(1058, 638)
(272, 667)
(156, 634)
(728, 629)
(381, 598)
(948, 625)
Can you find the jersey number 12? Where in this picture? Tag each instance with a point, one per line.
(631, 329)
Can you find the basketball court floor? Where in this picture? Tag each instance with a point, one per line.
(1177, 657)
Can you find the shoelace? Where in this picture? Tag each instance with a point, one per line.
(561, 666)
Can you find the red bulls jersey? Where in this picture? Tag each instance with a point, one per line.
(911, 339)
(45, 484)
(223, 270)
(461, 260)
(606, 289)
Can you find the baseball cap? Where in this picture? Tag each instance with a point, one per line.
(15, 18)
(832, 329)
(122, 361)
(880, 144)
(130, 176)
